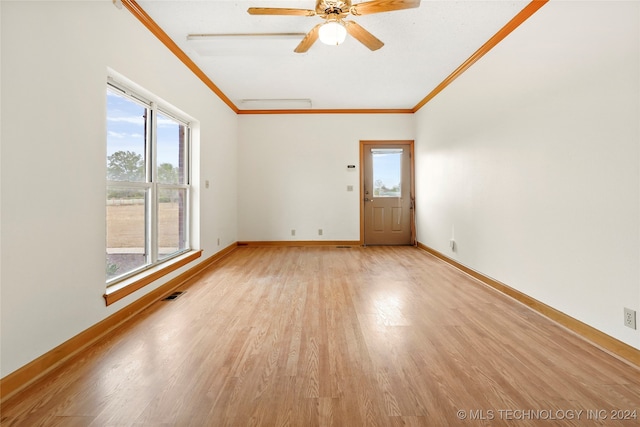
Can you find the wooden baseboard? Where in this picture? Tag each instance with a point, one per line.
(20, 379)
(616, 347)
(290, 243)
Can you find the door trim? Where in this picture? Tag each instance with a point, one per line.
(409, 142)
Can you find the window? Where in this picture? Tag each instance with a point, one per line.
(148, 188)
(387, 172)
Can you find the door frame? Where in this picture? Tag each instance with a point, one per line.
(412, 215)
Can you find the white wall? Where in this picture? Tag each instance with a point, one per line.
(293, 173)
(531, 161)
(55, 57)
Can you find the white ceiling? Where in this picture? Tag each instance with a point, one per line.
(422, 47)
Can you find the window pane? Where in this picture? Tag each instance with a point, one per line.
(172, 231)
(170, 141)
(387, 167)
(126, 138)
(126, 229)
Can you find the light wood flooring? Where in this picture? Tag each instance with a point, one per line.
(312, 336)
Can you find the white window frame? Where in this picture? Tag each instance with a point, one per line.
(151, 185)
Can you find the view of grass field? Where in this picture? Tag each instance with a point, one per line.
(125, 235)
(125, 225)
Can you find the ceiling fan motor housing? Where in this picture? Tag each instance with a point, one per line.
(330, 7)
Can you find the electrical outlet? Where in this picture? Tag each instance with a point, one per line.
(218, 241)
(452, 244)
(319, 231)
(293, 232)
(629, 318)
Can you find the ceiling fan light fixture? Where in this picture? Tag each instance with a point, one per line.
(332, 33)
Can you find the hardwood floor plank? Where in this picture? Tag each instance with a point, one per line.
(320, 336)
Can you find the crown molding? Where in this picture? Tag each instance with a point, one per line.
(514, 23)
(332, 111)
(522, 16)
(155, 29)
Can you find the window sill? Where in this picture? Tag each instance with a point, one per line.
(126, 287)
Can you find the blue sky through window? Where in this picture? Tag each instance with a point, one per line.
(387, 164)
(125, 125)
(125, 130)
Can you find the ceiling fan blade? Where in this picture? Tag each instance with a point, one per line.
(280, 11)
(362, 35)
(308, 40)
(378, 6)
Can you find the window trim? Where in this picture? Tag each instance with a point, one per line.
(127, 286)
(120, 286)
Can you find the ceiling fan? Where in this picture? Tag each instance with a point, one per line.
(335, 27)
